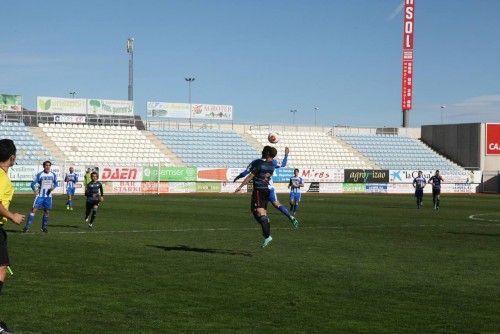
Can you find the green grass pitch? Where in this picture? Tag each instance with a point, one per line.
(193, 264)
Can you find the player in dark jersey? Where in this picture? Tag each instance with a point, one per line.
(95, 196)
(436, 180)
(419, 185)
(261, 174)
(273, 198)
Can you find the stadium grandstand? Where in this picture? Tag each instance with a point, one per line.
(212, 151)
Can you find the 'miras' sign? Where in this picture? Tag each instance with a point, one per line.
(493, 138)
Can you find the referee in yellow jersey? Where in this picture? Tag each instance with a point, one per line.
(7, 160)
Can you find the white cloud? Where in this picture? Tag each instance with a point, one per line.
(396, 11)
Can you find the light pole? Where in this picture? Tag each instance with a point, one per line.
(72, 94)
(442, 112)
(130, 51)
(315, 112)
(189, 81)
(293, 111)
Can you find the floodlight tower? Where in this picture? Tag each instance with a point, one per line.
(189, 81)
(293, 111)
(315, 113)
(130, 51)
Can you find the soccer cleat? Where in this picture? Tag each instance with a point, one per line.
(87, 220)
(90, 225)
(266, 241)
(67, 207)
(71, 208)
(25, 230)
(294, 221)
(44, 230)
(4, 329)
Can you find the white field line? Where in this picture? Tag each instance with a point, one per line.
(224, 229)
(477, 217)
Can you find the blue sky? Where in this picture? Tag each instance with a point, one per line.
(263, 57)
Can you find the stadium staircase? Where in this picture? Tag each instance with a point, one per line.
(310, 149)
(48, 144)
(174, 159)
(105, 144)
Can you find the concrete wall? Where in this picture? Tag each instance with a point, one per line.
(458, 142)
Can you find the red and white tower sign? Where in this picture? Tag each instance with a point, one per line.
(408, 28)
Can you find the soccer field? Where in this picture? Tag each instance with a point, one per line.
(193, 264)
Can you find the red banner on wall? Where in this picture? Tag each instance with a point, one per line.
(407, 80)
(492, 139)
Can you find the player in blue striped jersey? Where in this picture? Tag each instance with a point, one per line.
(43, 185)
(273, 198)
(436, 180)
(419, 184)
(296, 182)
(71, 179)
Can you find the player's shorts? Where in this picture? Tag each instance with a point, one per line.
(92, 202)
(295, 197)
(272, 195)
(436, 191)
(43, 203)
(419, 192)
(260, 197)
(4, 254)
(70, 191)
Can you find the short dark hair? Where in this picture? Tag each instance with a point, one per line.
(46, 162)
(437, 170)
(272, 152)
(94, 173)
(295, 170)
(7, 149)
(266, 150)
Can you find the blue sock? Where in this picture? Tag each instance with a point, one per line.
(295, 208)
(70, 203)
(284, 211)
(29, 222)
(45, 222)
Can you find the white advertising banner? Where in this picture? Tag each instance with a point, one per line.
(407, 176)
(69, 119)
(198, 111)
(212, 111)
(168, 110)
(110, 107)
(60, 105)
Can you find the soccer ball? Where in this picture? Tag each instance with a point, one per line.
(273, 138)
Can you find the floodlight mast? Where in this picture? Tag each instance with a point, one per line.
(189, 81)
(130, 51)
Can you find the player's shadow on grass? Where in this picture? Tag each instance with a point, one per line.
(477, 234)
(65, 226)
(184, 248)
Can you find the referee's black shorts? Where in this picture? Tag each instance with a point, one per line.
(436, 191)
(260, 197)
(4, 253)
